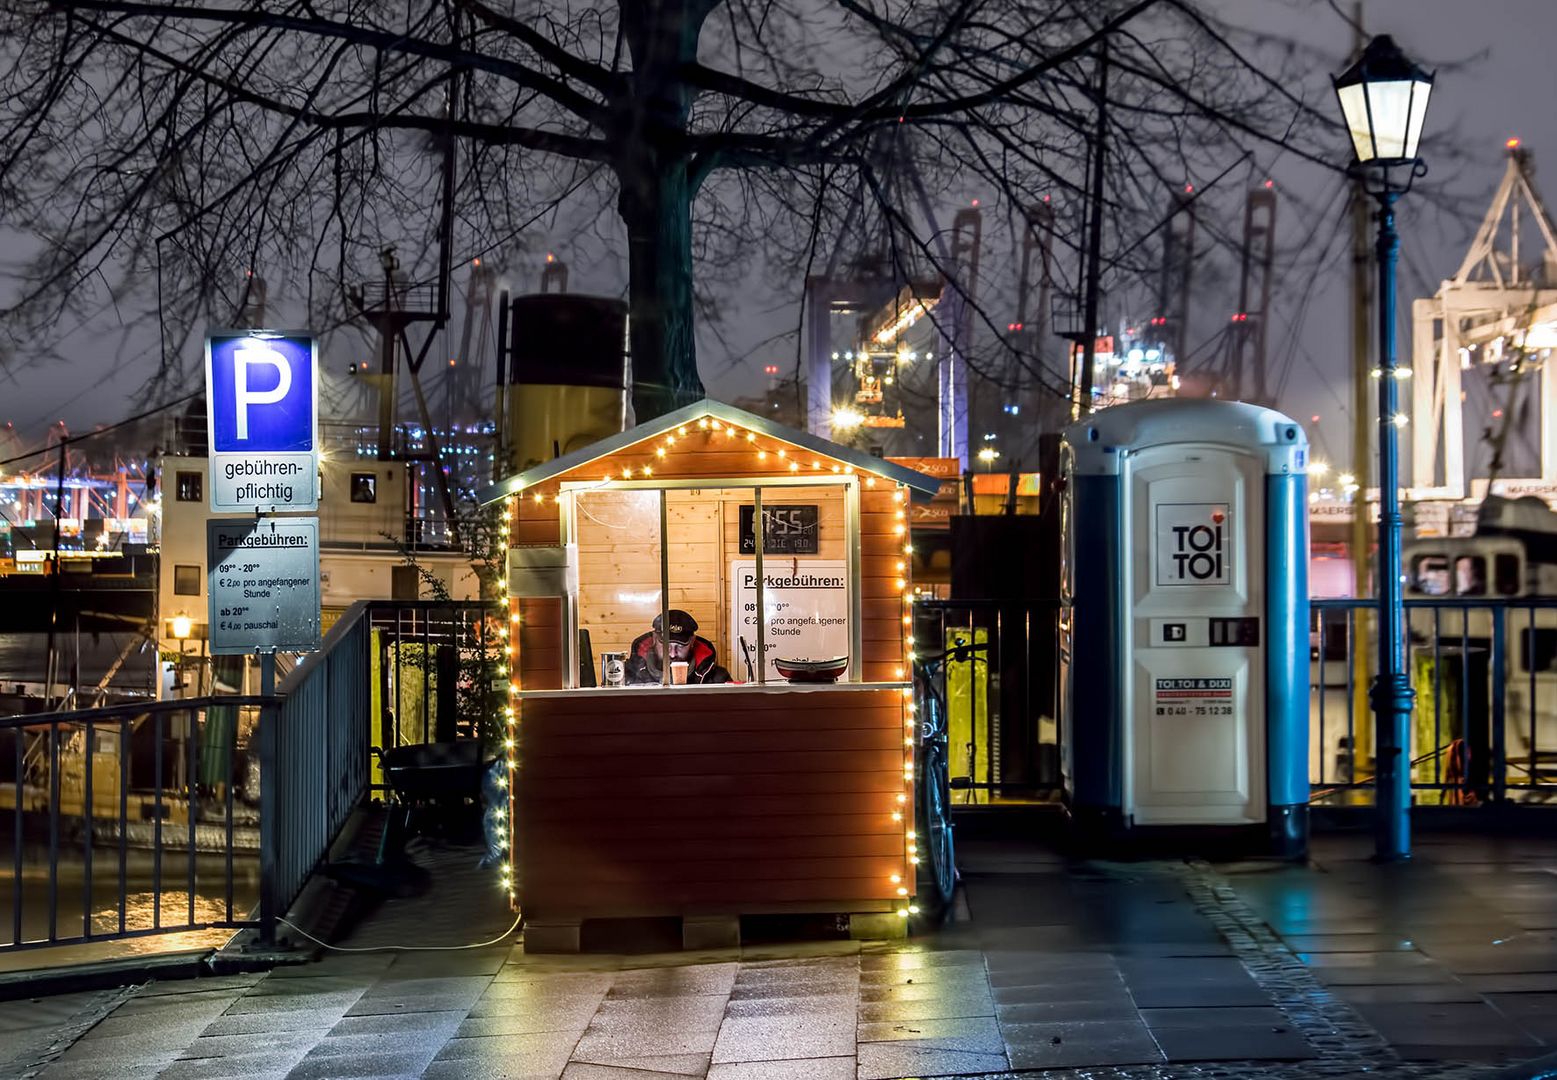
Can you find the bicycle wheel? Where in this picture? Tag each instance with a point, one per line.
(937, 870)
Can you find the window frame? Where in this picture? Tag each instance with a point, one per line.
(567, 511)
(197, 476)
(199, 575)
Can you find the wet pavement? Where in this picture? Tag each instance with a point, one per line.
(1444, 967)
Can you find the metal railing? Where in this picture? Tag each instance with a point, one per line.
(210, 813)
(313, 753)
(1484, 728)
(1002, 701)
(129, 820)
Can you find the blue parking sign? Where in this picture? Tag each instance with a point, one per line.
(261, 393)
(262, 399)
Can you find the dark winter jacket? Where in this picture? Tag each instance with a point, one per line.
(643, 663)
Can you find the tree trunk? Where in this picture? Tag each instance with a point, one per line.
(656, 202)
(656, 207)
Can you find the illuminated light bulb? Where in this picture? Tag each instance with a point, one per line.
(762, 455)
(913, 909)
(751, 436)
(907, 692)
(502, 631)
(794, 466)
(909, 834)
(703, 423)
(670, 440)
(897, 816)
(538, 498)
(901, 797)
(898, 529)
(513, 688)
(660, 452)
(902, 890)
(902, 913)
(627, 474)
(870, 481)
(897, 495)
(509, 650)
(717, 427)
(900, 566)
(783, 454)
(816, 464)
(514, 617)
(501, 670)
(908, 620)
(837, 468)
(647, 471)
(897, 879)
(509, 743)
(682, 430)
(908, 549)
(908, 741)
(848, 470)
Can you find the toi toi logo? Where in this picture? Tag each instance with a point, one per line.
(1197, 550)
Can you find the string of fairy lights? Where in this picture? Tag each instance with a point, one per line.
(767, 451)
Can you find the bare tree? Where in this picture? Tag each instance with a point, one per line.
(175, 144)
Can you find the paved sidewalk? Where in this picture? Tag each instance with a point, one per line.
(1446, 967)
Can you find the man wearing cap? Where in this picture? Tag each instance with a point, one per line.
(646, 658)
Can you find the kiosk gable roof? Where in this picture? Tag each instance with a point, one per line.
(691, 414)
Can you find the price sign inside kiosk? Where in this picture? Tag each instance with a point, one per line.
(786, 530)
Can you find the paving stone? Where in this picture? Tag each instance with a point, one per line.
(980, 1035)
(1445, 991)
(1119, 1008)
(931, 1008)
(827, 1068)
(606, 1046)
(582, 1070)
(1237, 1043)
(692, 1012)
(766, 1039)
(399, 1024)
(841, 1005)
(883, 1061)
(657, 1064)
(1086, 1042)
(1445, 1023)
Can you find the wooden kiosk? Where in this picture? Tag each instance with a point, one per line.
(710, 800)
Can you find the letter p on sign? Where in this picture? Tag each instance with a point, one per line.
(244, 395)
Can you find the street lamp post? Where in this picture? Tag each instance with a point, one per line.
(1383, 98)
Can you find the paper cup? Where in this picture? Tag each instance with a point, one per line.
(678, 671)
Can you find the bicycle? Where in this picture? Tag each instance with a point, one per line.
(936, 870)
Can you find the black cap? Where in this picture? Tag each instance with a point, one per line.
(682, 625)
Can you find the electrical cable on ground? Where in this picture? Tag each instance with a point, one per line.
(402, 948)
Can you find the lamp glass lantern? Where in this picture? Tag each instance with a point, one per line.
(1384, 101)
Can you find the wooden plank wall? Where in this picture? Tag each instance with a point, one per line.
(737, 800)
(714, 452)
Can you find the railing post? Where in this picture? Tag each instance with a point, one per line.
(1495, 677)
(270, 827)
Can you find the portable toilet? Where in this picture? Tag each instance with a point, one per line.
(1184, 653)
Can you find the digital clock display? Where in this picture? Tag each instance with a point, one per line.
(786, 530)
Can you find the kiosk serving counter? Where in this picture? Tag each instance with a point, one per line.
(710, 781)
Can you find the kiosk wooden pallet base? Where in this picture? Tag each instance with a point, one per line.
(869, 921)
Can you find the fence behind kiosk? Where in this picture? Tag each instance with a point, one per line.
(1001, 700)
(1484, 730)
(1477, 740)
